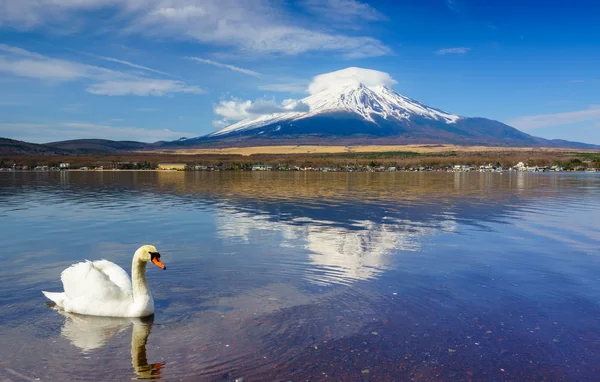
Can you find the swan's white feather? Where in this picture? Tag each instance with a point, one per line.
(95, 280)
(116, 274)
(57, 297)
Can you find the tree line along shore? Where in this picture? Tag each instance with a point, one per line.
(400, 160)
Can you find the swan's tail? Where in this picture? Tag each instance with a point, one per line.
(58, 298)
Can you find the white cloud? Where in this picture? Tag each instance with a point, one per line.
(576, 81)
(284, 88)
(531, 122)
(51, 132)
(23, 63)
(348, 77)
(142, 87)
(118, 61)
(235, 109)
(259, 26)
(460, 50)
(226, 66)
(291, 104)
(182, 13)
(19, 51)
(137, 66)
(220, 123)
(28, 14)
(346, 11)
(260, 107)
(49, 69)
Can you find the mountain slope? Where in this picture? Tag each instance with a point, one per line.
(9, 147)
(99, 145)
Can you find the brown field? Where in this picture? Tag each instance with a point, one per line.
(307, 149)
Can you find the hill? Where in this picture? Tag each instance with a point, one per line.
(12, 147)
(89, 146)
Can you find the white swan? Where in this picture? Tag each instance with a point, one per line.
(102, 288)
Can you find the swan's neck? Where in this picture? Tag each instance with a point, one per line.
(138, 280)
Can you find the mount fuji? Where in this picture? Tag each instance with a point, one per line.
(376, 107)
(353, 112)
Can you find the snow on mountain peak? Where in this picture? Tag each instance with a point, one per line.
(360, 91)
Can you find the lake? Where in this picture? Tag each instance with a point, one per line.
(295, 276)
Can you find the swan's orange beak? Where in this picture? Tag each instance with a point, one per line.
(159, 263)
(156, 260)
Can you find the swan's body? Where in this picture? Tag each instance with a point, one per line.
(102, 288)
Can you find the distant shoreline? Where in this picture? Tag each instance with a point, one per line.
(424, 157)
(365, 169)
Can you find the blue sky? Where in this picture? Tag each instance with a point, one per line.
(153, 70)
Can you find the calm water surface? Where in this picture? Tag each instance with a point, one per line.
(295, 276)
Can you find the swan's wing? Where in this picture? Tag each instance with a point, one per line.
(116, 274)
(84, 280)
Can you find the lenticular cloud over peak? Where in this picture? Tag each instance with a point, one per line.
(350, 77)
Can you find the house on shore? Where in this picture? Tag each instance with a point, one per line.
(262, 167)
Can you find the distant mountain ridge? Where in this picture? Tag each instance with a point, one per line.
(14, 147)
(100, 145)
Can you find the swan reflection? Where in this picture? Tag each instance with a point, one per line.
(90, 333)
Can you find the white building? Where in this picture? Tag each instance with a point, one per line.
(520, 167)
(262, 167)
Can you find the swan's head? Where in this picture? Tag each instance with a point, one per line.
(147, 253)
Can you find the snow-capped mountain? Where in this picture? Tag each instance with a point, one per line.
(370, 104)
(353, 113)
